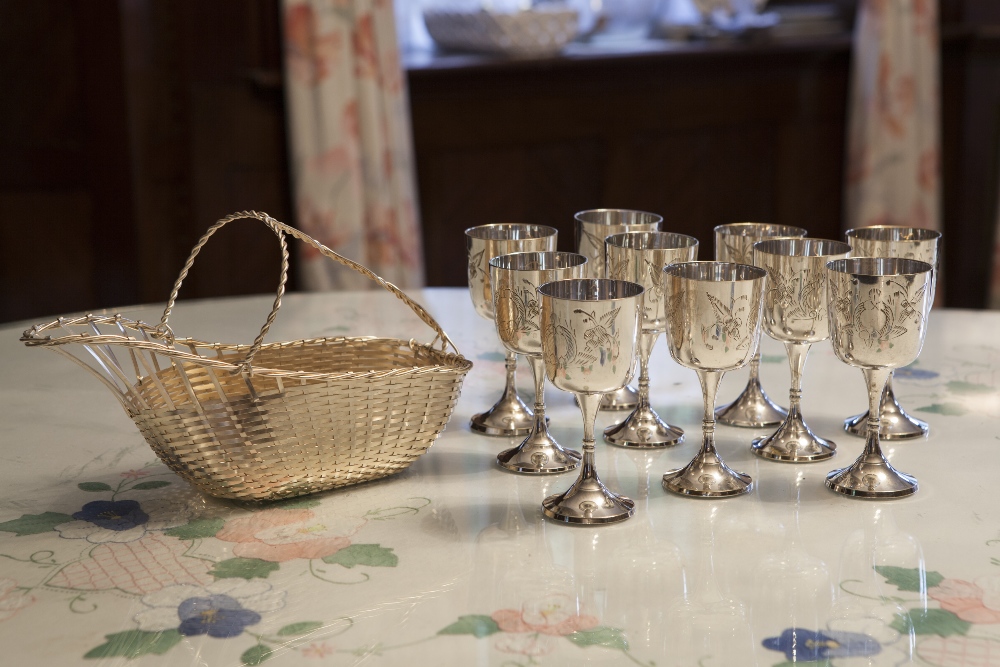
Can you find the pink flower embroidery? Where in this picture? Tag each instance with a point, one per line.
(135, 474)
(12, 600)
(320, 650)
(530, 644)
(552, 615)
(529, 631)
(277, 535)
(973, 602)
(958, 651)
(142, 566)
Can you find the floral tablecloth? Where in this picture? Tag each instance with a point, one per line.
(108, 558)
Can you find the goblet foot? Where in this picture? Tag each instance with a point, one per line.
(707, 476)
(794, 442)
(896, 423)
(752, 409)
(588, 501)
(644, 429)
(510, 417)
(539, 454)
(871, 477)
(625, 398)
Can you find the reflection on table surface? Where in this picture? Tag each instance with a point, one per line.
(106, 557)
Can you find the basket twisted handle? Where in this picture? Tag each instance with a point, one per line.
(281, 229)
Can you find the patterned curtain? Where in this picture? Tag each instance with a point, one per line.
(351, 148)
(893, 143)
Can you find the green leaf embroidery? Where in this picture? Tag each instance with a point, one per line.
(908, 579)
(196, 529)
(243, 568)
(135, 643)
(476, 625)
(600, 636)
(372, 555)
(960, 387)
(93, 486)
(33, 524)
(299, 628)
(296, 504)
(152, 484)
(255, 655)
(931, 622)
(947, 409)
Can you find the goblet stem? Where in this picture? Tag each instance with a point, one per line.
(752, 408)
(897, 424)
(709, 392)
(588, 501)
(871, 476)
(755, 367)
(643, 427)
(707, 476)
(794, 441)
(537, 364)
(797, 355)
(876, 381)
(539, 453)
(589, 404)
(509, 416)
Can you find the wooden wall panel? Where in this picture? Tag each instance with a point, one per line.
(705, 136)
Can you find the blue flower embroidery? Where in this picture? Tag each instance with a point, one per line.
(911, 373)
(800, 645)
(217, 616)
(113, 514)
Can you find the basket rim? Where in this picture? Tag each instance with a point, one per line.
(153, 341)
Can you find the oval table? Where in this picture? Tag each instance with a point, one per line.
(451, 561)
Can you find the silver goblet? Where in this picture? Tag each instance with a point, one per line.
(878, 311)
(591, 228)
(795, 314)
(713, 326)
(639, 257)
(910, 243)
(589, 332)
(515, 279)
(509, 417)
(734, 243)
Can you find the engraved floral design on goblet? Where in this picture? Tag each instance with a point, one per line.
(640, 258)
(589, 330)
(734, 243)
(695, 326)
(509, 416)
(878, 309)
(592, 228)
(907, 243)
(795, 313)
(518, 318)
(524, 303)
(726, 327)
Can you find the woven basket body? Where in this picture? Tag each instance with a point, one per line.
(306, 416)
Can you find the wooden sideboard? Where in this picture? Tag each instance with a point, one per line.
(701, 133)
